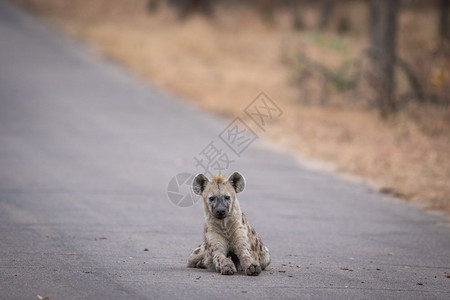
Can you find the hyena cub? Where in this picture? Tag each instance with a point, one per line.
(230, 243)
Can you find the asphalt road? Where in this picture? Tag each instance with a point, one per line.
(86, 154)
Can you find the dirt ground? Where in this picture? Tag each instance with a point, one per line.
(221, 64)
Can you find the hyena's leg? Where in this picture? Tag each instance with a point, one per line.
(197, 257)
(235, 259)
(217, 249)
(260, 252)
(242, 247)
(264, 257)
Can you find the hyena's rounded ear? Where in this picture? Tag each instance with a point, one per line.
(237, 181)
(199, 184)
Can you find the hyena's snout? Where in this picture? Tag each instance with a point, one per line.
(219, 206)
(220, 212)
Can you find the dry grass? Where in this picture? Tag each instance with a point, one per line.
(222, 64)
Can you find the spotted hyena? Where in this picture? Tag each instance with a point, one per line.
(230, 243)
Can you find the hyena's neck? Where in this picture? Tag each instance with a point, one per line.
(236, 212)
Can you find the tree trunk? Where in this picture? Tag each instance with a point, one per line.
(295, 6)
(374, 24)
(153, 6)
(383, 34)
(444, 30)
(188, 7)
(267, 10)
(326, 13)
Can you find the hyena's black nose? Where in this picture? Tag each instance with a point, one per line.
(220, 212)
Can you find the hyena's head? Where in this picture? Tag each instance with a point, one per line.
(219, 193)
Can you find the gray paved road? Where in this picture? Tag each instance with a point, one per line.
(86, 152)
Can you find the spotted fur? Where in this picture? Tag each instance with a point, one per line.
(229, 243)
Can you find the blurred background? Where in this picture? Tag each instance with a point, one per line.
(364, 84)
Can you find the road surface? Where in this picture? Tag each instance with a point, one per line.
(86, 154)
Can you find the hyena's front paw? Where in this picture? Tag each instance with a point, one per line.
(228, 269)
(253, 270)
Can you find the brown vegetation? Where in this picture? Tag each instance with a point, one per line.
(221, 63)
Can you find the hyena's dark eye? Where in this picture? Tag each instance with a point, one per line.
(227, 197)
(212, 198)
